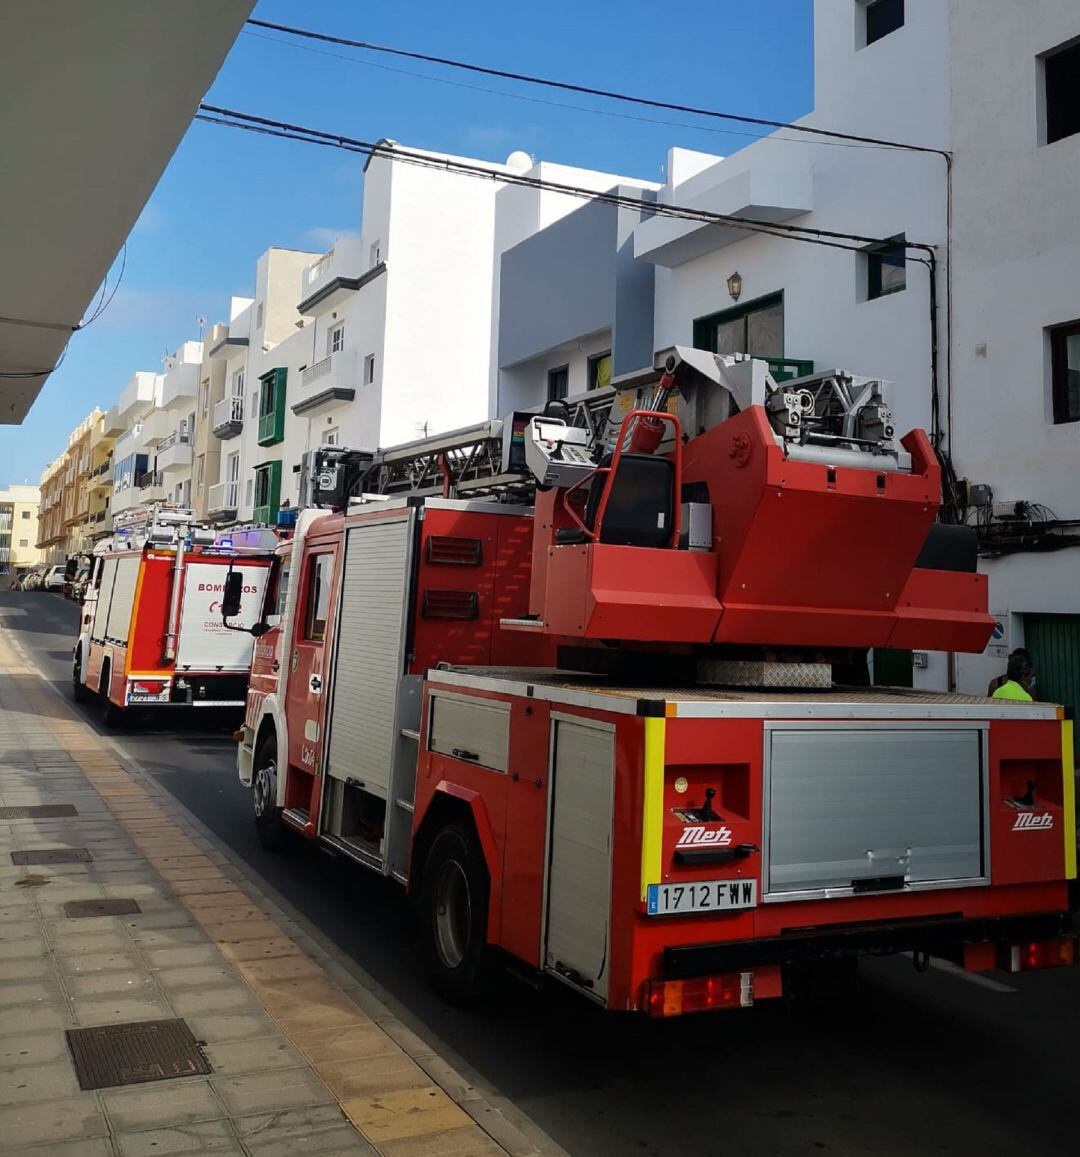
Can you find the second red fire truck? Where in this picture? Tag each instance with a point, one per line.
(150, 633)
(592, 686)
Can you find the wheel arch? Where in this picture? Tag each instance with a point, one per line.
(451, 803)
(272, 722)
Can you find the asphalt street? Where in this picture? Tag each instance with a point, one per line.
(919, 1064)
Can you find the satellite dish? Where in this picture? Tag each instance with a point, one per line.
(519, 160)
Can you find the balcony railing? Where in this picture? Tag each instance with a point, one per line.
(104, 468)
(177, 437)
(228, 416)
(222, 497)
(317, 371)
(149, 480)
(315, 271)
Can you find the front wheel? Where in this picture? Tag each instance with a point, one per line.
(269, 826)
(109, 713)
(79, 690)
(454, 915)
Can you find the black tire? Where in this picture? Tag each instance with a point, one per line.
(454, 915)
(79, 690)
(269, 826)
(108, 712)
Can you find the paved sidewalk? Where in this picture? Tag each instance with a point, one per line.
(297, 1062)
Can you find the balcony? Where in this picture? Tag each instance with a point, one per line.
(228, 417)
(113, 423)
(139, 391)
(328, 383)
(101, 477)
(221, 500)
(329, 281)
(181, 383)
(151, 486)
(174, 452)
(764, 192)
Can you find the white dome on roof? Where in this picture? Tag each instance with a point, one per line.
(520, 160)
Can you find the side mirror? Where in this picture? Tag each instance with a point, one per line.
(234, 589)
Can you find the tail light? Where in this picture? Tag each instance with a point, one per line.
(149, 687)
(1039, 954)
(678, 997)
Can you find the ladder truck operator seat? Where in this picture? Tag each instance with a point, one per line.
(640, 505)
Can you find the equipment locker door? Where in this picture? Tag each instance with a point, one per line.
(579, 858)
(305, 695)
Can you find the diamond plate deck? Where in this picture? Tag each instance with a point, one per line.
(52, 856)
(41, 811)
(131, 1054)
(77, 909)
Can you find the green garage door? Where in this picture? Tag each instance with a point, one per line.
(1054, 643)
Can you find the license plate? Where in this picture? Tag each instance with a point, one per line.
(700, 896)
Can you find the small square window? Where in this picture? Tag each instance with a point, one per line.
(331, 437)
(1065, 371)
(558, 383)
(369, 369)
(599, 374)
(886, 269)
(1061, 92)
(24, 514)
(883, 17)
(24, 542)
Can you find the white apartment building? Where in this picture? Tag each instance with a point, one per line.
(983, 82)
(386, 338)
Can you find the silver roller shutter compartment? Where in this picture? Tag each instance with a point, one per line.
(579, 879)
(123, 599)
(850, 806)
(104, 599)
(370, 653)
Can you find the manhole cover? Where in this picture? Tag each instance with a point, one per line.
(52, 856)
(75, 909)
(40, 811)
(129, 1054)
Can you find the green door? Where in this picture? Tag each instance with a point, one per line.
(1054, 644)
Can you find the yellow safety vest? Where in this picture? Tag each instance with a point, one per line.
(1010, 689)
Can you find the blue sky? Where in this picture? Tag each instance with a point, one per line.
(226, 196)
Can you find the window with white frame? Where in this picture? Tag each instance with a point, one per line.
(232, 467)
(369, 369)
(335, 339)
(204, 397)
(374, 254)
(249, 491)
(330, 438)
(238, 383)
(880, 17)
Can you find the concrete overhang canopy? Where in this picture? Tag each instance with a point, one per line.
(94, 99)
(762, 193)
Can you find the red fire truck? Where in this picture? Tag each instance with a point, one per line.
(592, 685)
(151, 634)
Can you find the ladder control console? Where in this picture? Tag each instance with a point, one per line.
(558, 454)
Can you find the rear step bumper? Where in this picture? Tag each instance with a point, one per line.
(944, 938)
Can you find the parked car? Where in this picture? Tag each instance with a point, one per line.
(53, 579)
(74, 586)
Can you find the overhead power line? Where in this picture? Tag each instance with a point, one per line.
(588, 90)
(591, 110)
(231, 118)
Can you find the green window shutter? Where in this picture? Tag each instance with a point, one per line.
(274, 486)
(272, 420)
(268, 488)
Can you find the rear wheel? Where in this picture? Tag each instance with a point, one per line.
(79, 690)
(269, 826)
(108, 712)
(454, 915)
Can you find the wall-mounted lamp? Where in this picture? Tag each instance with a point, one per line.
(734, 285)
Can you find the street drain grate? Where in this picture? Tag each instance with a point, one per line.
(52, 856)
(130, 1054)
(76, 909)
(40, 811)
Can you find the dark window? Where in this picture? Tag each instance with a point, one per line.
(318, 597)
(1062, 81)
(558, 383)
(883, 17)
(886, 269)
(600, 371)
(282, 593)
(756, 328)
(1065, 371)
(25, 514)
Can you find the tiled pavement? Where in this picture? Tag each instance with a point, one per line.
(303, 1060)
